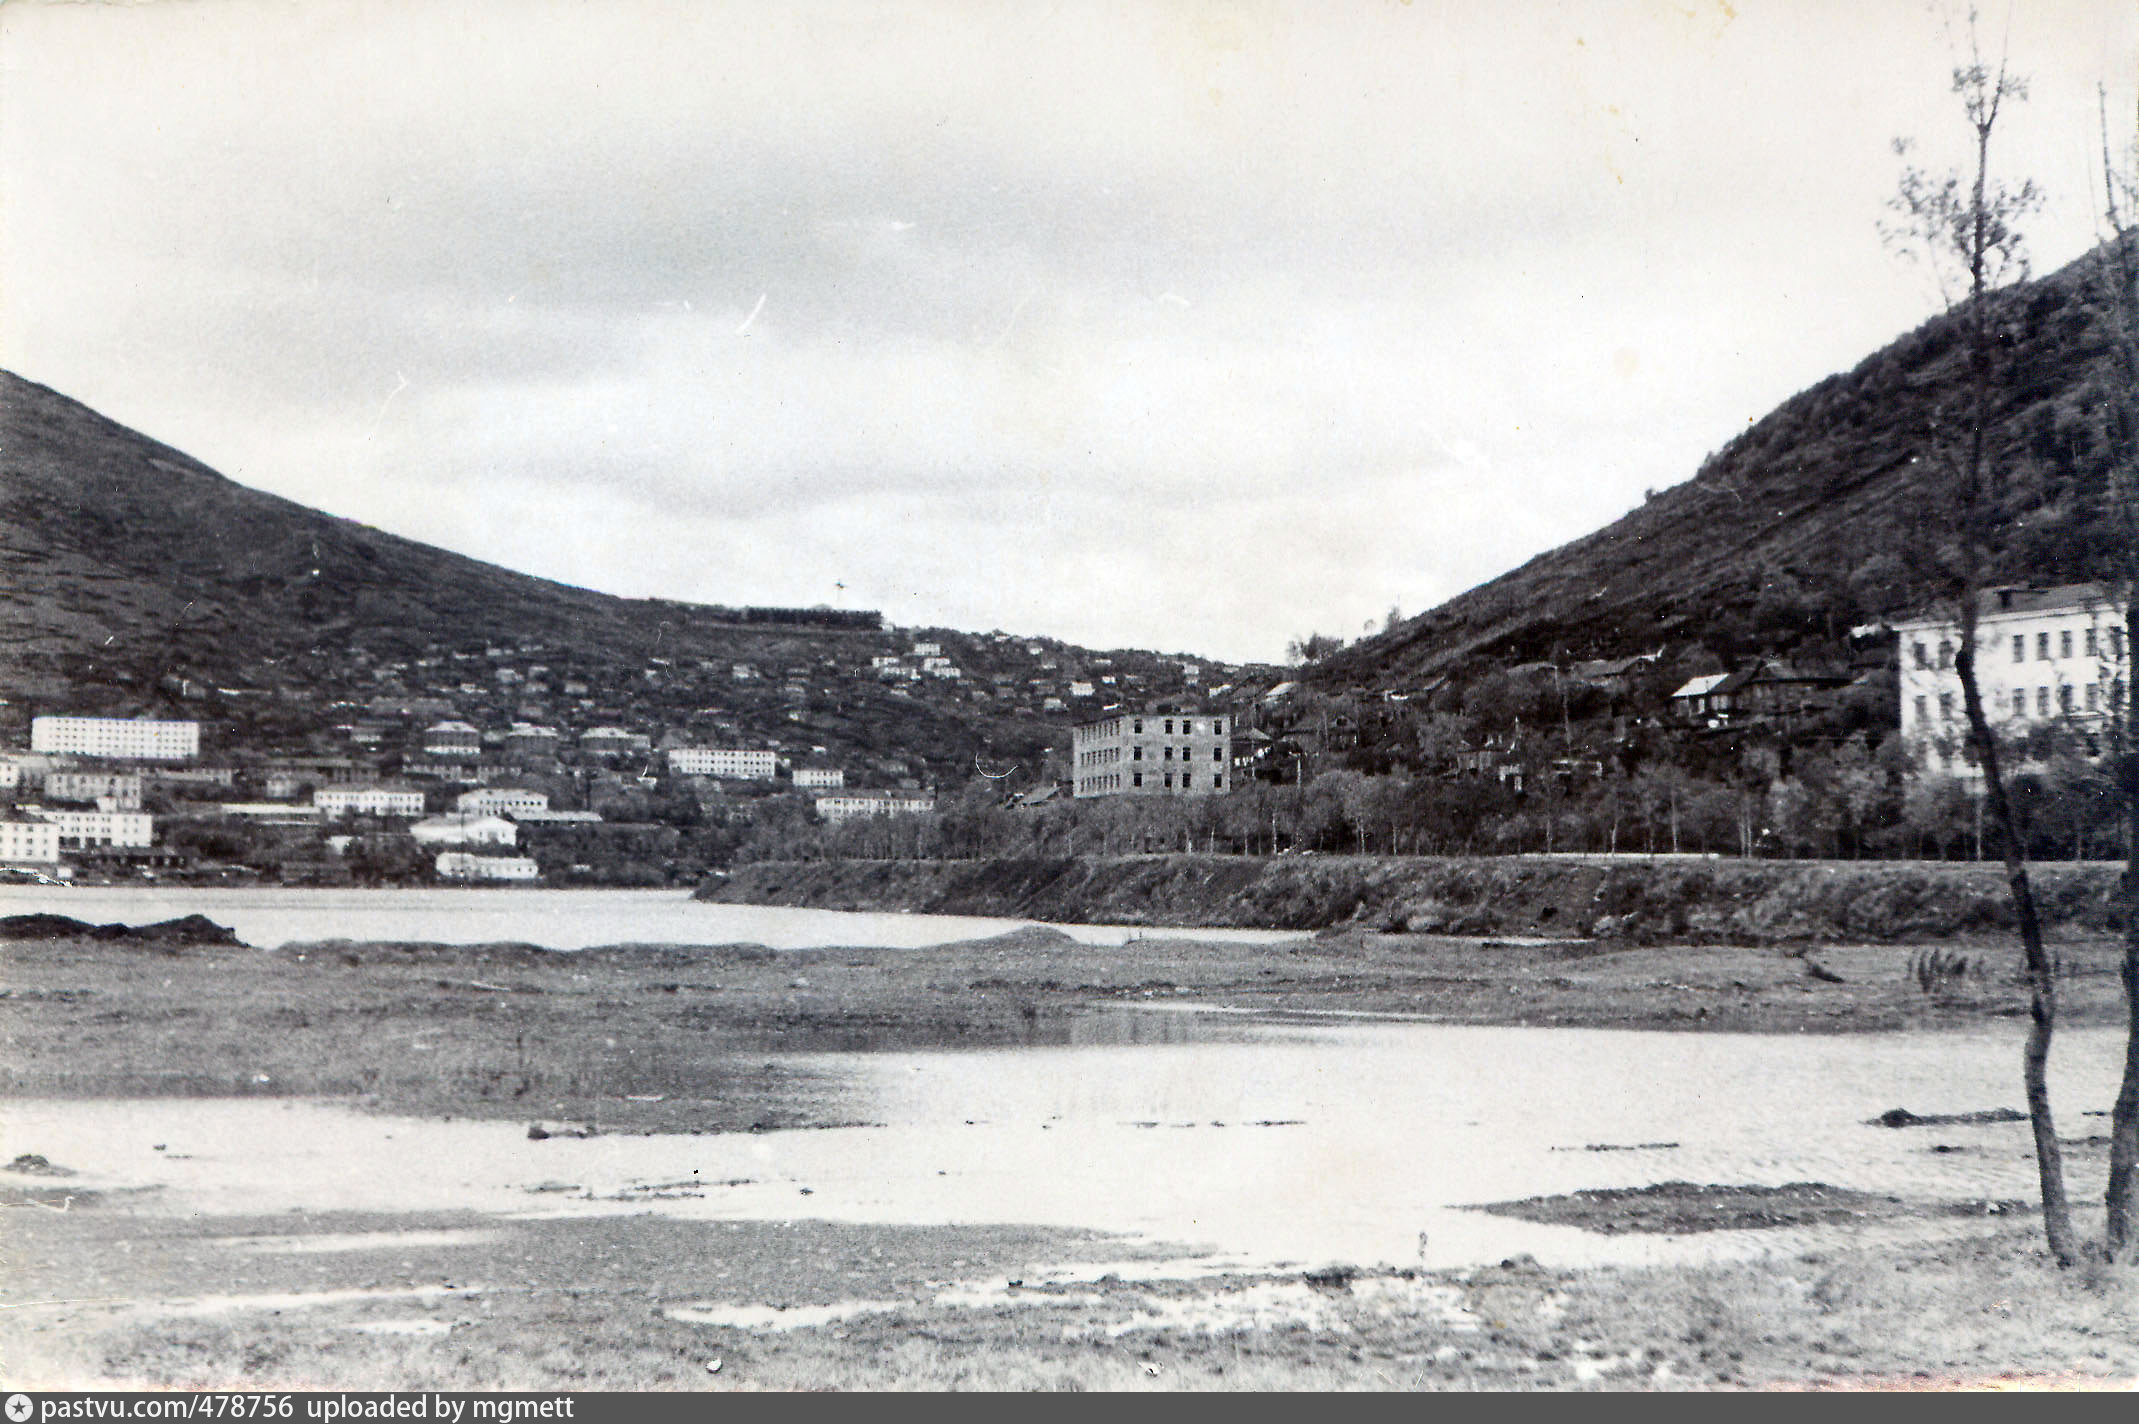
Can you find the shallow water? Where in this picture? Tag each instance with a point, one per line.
(556, 919)
(1263, 1147)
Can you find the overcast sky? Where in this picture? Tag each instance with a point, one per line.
(1186, 326)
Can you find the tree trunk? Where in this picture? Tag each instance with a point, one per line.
(2118, 1236)
(2042, 976)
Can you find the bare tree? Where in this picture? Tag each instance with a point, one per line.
(2117, 281)
(1964, 225)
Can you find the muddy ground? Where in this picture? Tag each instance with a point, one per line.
(105, 1289)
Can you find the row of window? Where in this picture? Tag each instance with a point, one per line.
(2089, 646)
(2067, 700)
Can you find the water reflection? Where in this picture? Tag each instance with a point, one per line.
(1252, 1144)
(556, 919)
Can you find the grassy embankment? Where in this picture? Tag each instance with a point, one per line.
(1621, 899)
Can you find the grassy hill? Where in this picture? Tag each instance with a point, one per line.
(1813, 520)
(139, 580)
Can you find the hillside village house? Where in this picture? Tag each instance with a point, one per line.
(614, 741)
(2044, 657)
(501, 801)
(122, 789)
(849, 804)
(368, 801)
(1769, 690)
(466, 865)
(819, 777)
(28, 840)
(465, 830)
(98, 828)
(135, 739)
(452, 739)
(1152, 753)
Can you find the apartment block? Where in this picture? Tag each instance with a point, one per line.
(135, 739)
(2044, 657)
(368, 801)
(740, 763)
(1158, 752)
(28, 840)
(849, 804)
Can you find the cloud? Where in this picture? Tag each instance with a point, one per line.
(750, 299)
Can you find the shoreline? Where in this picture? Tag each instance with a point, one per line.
(1620, 899)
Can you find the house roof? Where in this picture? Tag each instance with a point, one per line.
(2073, 597)
(1702, 686)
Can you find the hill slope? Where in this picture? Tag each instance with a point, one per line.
(1811, 520)
(136, 579)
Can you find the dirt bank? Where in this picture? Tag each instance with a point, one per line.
(1628, 899)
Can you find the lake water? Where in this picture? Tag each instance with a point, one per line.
(558, 919)
(1258, 1147)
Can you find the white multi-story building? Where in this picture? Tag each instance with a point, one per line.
(367, 801)
(95, 828)
(452, 739)
(465, 865)
(121, 788)
(135, 739)
(28, 840)
(465, 830)
(2044, 657)
(741, 763)
(819, 777)
(1152, 753)
(614, 741)
(10, 773)
(849, 804)
(501, 801)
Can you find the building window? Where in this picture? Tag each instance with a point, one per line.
(1139, 727)
(1136, 754)
(1218, 783)
(2093, 648)
(2064, 697)
(2042, 647)
(1923, 657)
(1217, 753)
(2094, 697)
(1167, 752)
(2020, 647)
(1169, 781)
(1945, 706)
(1945, 654)
(2020, 702)
(2064, 643)
(1136, 778)
(1923, 711)
(1169, 726)
(1186, 781)
(2042, 701)
(2116, 644)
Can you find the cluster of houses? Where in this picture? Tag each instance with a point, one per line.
(74, 799)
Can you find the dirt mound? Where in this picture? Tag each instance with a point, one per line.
(1683, 1208)
(186, 930)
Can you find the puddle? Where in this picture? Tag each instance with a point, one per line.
(419, 1326)
(1272, 1148)
(780, 1317)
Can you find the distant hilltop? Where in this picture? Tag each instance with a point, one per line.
(1811, 523)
